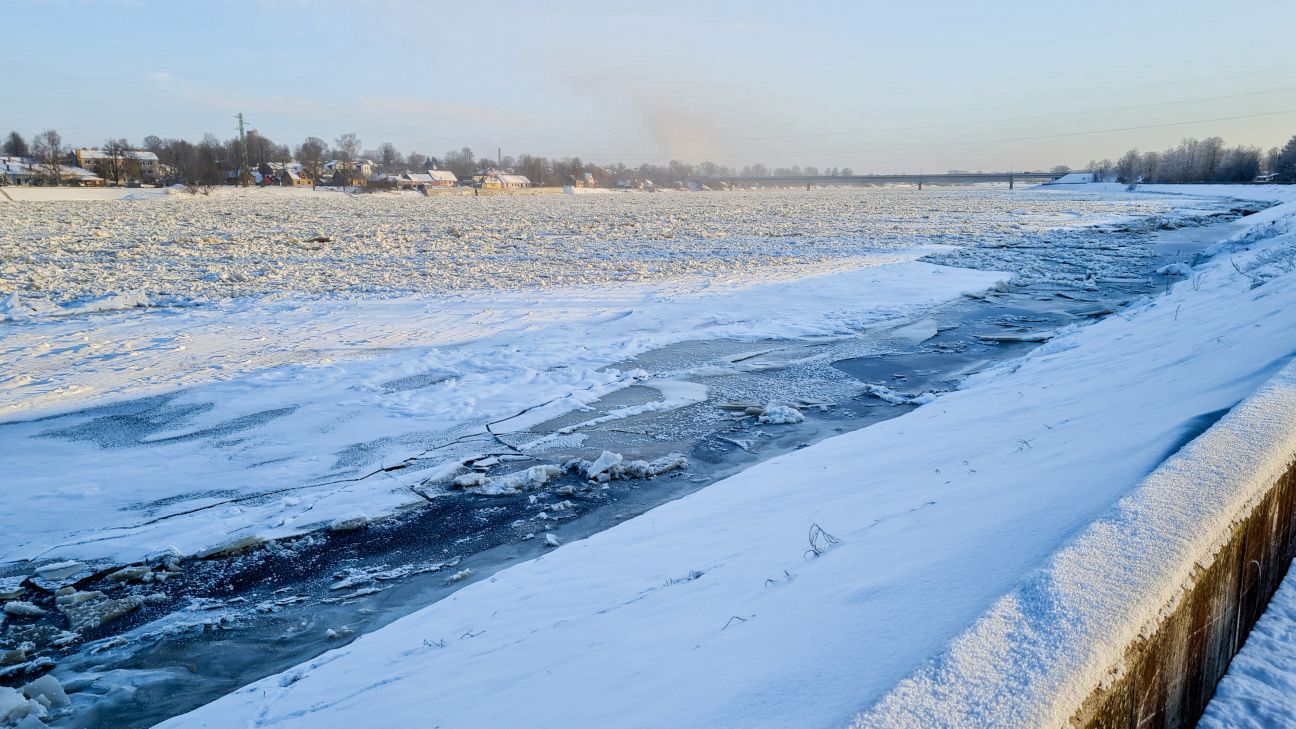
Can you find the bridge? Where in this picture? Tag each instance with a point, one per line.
(949, 178)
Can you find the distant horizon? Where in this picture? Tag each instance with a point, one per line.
(877, 87)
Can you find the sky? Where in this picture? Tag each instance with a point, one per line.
(913, 86)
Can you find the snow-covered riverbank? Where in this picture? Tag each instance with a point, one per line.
(800, 591)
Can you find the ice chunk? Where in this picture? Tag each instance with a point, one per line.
(551, 540)
(134, 573)
(470, 481)
(14, 707)
(1175, 269)
(11, 587)
(656, 467)
(77, 597)
(59, 570)
(513, 483)
(603, 463)
(21, 609)
(919, 331)
(349, 522)
(780, 415)
(882, 392)
(47, 690)
(92, 614)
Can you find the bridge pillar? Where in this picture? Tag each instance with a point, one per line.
(919, 184)
(807, 187)
(1010, 182)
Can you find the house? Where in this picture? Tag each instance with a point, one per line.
(349, 178)
(18, 171)
(291, 178)
(147, 163)
(583, 179)
(25, 171)
(379, 181)
(360, 168)
(504, 181)
(430, 178)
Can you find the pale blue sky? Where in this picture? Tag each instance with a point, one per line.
(878, 86)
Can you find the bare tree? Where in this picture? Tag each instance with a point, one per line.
(1271, 160)
(260, 149)
(348, 147)
(1129, 168)
(117, 150)
(534, 168)
(389, 157)
(47, 148)
(311, 154)
(462, 163)
(1238, 164)
(211, 159)
(181, 158)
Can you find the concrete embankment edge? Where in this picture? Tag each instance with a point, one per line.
(1134, 622)
(1167, 677)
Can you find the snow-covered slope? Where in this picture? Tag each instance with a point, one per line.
(799, 592)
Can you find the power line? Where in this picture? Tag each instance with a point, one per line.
(1003, 120)
(943, 145)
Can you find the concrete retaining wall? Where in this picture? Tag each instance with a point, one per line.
(1170, 675)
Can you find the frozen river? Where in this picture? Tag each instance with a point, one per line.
(364, 379)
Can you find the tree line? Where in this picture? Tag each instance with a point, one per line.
(213, 161)
(1200, 160)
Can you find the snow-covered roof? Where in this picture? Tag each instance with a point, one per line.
(431, 176)
(512, 179)
(1074, 178)
(95, 154)
(25, 167)
(16, 166)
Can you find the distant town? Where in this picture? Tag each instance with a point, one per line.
(252, 159)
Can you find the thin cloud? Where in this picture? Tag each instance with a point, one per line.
(229, 99)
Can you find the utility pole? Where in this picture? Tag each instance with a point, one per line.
(243, 152)
(499, 156)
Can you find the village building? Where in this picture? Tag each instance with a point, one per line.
(430, 178)
(144, 164)
(290, 178)
(24, 171)
(503, 181)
